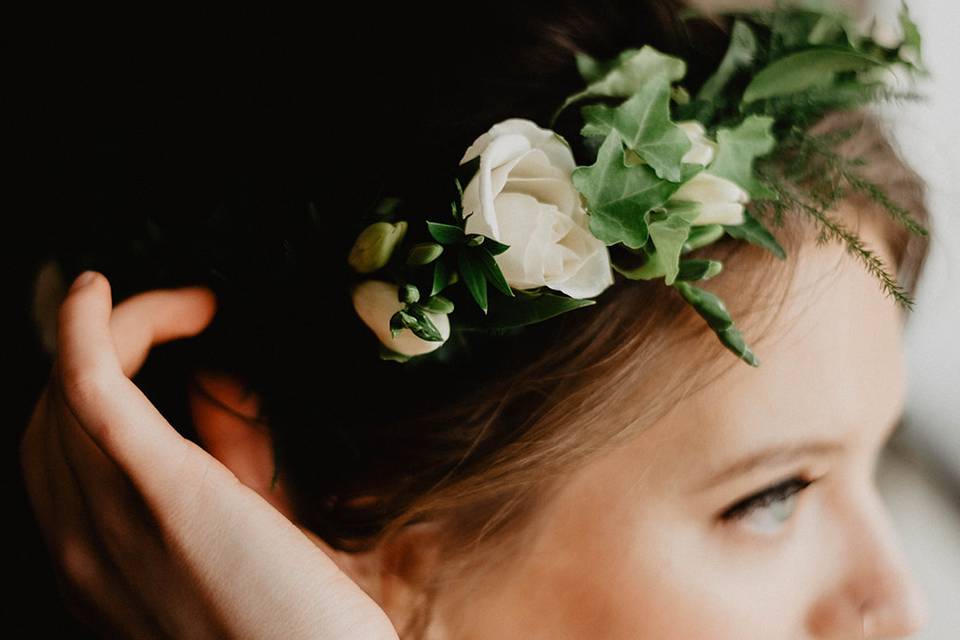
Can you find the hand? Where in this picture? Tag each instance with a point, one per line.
(151, 536)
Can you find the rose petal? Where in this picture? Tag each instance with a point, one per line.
(500, 150)
(556, 150)
(591, 278)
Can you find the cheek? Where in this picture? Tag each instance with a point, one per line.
(604, 571)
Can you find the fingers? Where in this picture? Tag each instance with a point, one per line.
(109, 407)
(154, 317)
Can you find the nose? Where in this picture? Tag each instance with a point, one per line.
(896, 607)
(878, 595)
(894, 602)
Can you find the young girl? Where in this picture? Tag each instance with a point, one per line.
(613, 472)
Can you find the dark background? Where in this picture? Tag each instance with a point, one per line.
(105, 125)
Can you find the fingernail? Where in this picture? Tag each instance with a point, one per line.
(83, 279)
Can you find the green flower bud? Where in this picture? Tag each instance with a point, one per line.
(375, 244)
(474, 240)
(409, 294)
(424, 253)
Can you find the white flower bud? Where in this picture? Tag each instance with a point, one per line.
(375, 301)
(721, 201)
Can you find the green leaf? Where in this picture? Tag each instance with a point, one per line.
(443, 276)
(473, 278)
(494, 247)
(803, 70)
(712, 309)
(398, 322)
(643, 122)
(445, 233)
(698, 269)
(625, 75)
(741, 54)
(911, 48)
(618, 195)
(422, 326)
(701, 235)
(753, 231)
(736, 150)
(590, 68)
(668, 235)
(437, 304)
(524, 310)
(484, 261)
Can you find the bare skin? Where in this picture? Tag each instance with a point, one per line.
(150, 535)
(635, 545)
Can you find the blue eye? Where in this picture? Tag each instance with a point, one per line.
(777, 502)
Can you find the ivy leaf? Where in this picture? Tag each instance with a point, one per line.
(712, 309)
(741, 54)
(736, 150)
(473, 277)
(618, 195)
(805, 69)
(643, 122)
(669, 233)
(753, 231)
(623, 76)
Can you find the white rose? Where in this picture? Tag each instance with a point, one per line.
(375, 301)
(721, 201)
(522, 195)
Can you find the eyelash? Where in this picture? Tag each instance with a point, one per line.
(777, 492)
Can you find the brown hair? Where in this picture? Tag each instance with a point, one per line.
(481, 459)
(368, 447)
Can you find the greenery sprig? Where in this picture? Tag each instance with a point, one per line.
(672, 172)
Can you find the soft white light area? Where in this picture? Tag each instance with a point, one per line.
(929, 137)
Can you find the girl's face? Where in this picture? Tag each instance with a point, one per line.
(748, 512)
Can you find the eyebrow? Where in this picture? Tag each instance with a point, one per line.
(782, 453)
(771, 456)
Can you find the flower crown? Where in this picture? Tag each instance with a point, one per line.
(672, 173)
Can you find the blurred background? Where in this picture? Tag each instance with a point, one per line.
(919, 474)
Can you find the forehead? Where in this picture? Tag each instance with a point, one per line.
(831, 366)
